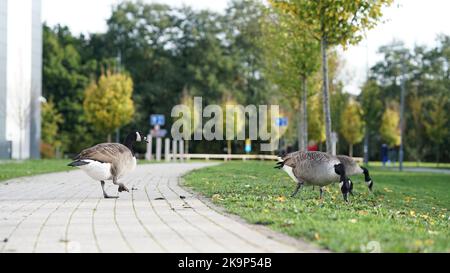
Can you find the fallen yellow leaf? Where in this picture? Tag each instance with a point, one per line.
(317, 236)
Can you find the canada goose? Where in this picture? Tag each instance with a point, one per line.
(352, 168)
(315, 169)
(109, 161)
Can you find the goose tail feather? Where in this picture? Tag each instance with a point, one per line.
(77, 163)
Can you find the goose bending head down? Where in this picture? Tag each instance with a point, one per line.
(109, 161)
(352, 168)
(315, 169)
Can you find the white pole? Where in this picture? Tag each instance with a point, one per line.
(174, 150)
(148, 154)
(158, 148)
(167, 149)
(181, 149)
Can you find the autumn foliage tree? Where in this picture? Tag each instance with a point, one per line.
(108, 103)
(390, 129)
(352, 124)
(51, 120)
(292, 57)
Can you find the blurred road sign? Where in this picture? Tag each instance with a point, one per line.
(157, 119)
(281, 122)
(248, 145)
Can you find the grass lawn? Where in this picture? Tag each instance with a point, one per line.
(411, 164)
(408, 212)
(11, 169)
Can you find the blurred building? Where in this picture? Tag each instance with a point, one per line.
(20, 78)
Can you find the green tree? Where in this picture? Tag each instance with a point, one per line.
(51, 120)
(292, 57)
(436, 125)
(108, 104)
(334, 23)
(352, 125)
(390, 130)
(373, 108)
(316, 128)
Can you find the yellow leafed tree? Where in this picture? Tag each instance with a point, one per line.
(390, 129)
(108, 103)
(352, 125)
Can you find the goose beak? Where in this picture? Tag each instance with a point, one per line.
(145, 139)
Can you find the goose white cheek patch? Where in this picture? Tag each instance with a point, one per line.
(138, 137)
(289, 171)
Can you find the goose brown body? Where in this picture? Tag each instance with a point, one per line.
(109, 161)
(120, 159)
(316, 169)
(312, 168)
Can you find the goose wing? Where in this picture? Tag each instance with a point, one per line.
(105, 153)
(296, 158)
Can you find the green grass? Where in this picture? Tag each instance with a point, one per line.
(11, 169)
(411, 164)
(408, 212)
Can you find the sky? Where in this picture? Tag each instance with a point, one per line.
(411, 21)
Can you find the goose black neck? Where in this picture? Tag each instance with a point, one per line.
(130, 140)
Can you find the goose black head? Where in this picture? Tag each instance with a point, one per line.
(367, 178)
(346, 188)
(344, 182)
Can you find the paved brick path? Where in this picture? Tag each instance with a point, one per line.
(66, 212)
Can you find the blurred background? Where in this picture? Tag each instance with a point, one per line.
(76, 73)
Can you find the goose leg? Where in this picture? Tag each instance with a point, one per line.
(121, 185)
(297, 189)
(104, 192)
(321, 192)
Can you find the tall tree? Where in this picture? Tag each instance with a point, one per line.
(334, 23)
(292, 57)
(390, 127)
(108, 103)
(51, 121)
(372, 105)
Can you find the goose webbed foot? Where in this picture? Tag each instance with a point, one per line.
(106, 196)
(123, 188)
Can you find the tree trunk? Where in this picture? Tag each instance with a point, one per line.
(437, 155)
(350, 150)
(366, 146)
(303, 118)
(305, 113)
(300, 135)
(326, 96)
